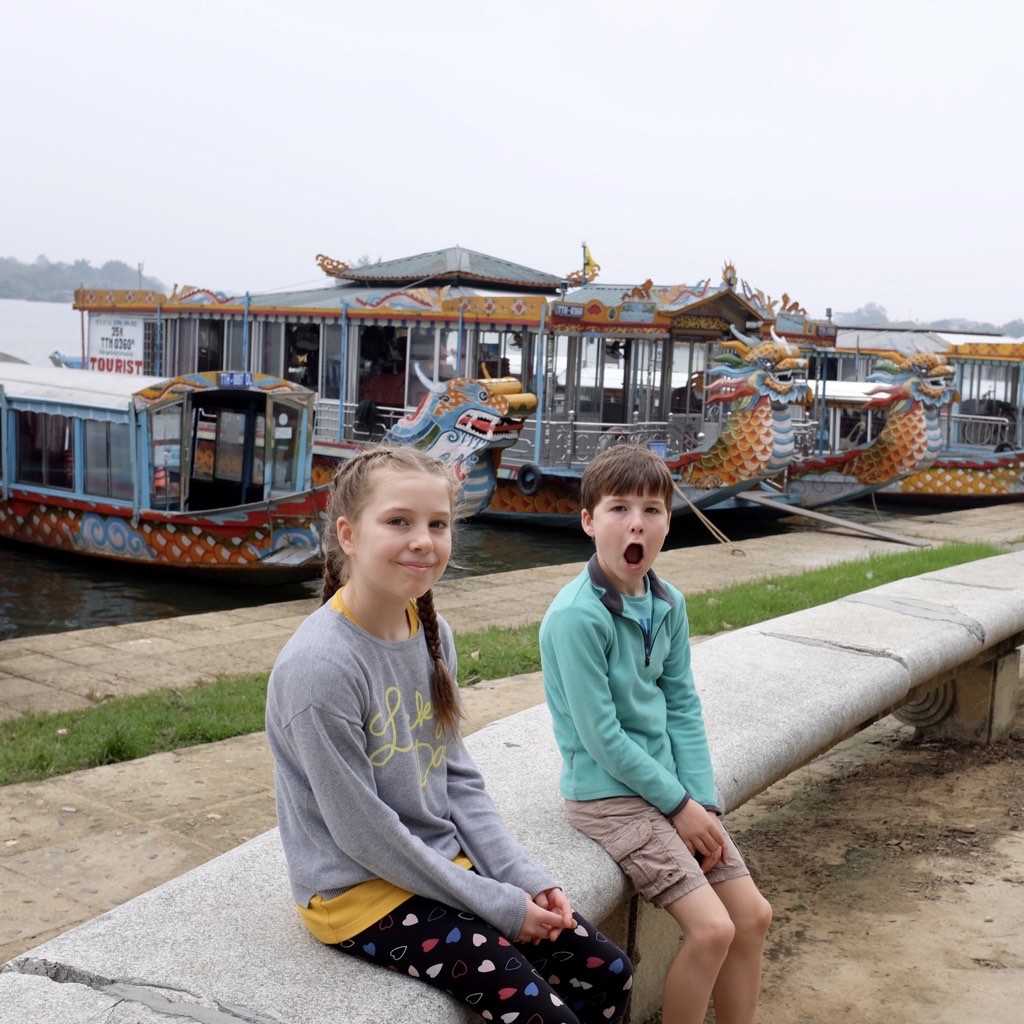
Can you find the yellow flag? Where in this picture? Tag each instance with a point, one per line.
(588, 260)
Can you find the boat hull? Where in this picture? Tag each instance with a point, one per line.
(265, 542)
(964, 481)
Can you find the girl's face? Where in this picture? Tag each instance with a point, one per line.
(399, 545)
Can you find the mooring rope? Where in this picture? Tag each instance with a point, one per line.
(712, 529)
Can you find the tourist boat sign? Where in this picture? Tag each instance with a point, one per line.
(115, 344)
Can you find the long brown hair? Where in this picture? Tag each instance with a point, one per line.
(351, 489)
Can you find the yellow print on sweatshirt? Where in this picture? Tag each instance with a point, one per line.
(386, 728)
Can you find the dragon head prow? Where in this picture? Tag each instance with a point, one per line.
(917, 375)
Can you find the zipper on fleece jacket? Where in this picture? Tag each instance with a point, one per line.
(612, 600)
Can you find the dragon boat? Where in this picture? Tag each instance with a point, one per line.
(980, 457)
(863, 437)
(669, 368)
(516, 377)
(205, 473)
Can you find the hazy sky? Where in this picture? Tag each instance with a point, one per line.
(843, 153)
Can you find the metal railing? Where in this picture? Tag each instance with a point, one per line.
(325, 425)
(984, 431)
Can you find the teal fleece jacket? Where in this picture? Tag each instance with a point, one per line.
(626, 713)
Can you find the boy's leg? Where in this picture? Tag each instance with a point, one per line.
(738, 986)
(648, 848)
(707, 935)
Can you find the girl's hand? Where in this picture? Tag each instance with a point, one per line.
(538, 923)
(556, 900)
(698, 828)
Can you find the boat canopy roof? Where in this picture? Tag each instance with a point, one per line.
(908, 342)
(84, 388)
(87, 389)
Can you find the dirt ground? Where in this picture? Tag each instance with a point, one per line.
(896, 871)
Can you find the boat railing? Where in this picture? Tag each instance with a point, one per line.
(571, 444)
(363, 421)
(806, 439)
(984, 431)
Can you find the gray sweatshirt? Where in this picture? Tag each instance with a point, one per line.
(367, 789)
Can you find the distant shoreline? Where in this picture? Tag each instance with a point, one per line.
(62, 297)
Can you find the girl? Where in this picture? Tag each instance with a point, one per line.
(395, 852)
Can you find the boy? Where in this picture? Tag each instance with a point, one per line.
(636, 774)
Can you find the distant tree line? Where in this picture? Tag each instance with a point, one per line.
(43, 281)
(873, 315)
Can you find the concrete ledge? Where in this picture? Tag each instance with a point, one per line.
(226, 939)
(223, 943)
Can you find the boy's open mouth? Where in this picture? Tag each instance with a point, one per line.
(634, 554)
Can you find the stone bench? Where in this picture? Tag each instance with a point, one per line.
(223, 943)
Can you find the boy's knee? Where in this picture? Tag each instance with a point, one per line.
(756, 920)
(714, 934)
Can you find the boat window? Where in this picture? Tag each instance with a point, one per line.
(205, 454)
(689, 360)
(108, 470)
(498, 354)
(382, 365)
(273, 349)
(46, 452)
(185, 356)
(210, 355)
(286, 440)
(331, 382)
(234, 355)
(149, 347)
(422, 343)
(230, 446)
(302, 354)
(449, 362)
(165, 485)
(258, 450)
(591, 377)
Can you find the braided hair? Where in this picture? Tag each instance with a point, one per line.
(350, 489)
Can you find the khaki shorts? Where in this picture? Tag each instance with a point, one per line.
(645, 844)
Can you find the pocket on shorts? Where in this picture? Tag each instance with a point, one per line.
(623, 846)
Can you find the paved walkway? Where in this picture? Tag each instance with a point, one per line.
(75, 846)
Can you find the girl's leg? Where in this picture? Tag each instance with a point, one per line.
(588, 971)
(739, 979)
(458, 953)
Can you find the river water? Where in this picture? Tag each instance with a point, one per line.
(30, 331)
(47, 592)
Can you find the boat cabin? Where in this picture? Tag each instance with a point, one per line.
(989, 410)
(184, 444)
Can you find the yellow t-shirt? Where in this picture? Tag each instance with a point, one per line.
(340, 918)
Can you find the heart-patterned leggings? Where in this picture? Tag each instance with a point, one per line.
(580, 978)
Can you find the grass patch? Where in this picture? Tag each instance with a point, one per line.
(40, 746)
(497, 652)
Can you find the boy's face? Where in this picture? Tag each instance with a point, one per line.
(629, 531)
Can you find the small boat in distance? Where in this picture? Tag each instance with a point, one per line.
(208, 473)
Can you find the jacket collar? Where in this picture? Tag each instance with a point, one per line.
(611, 598)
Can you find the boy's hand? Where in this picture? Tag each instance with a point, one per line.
(698, 828)
(539, 923)
(556, 900)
